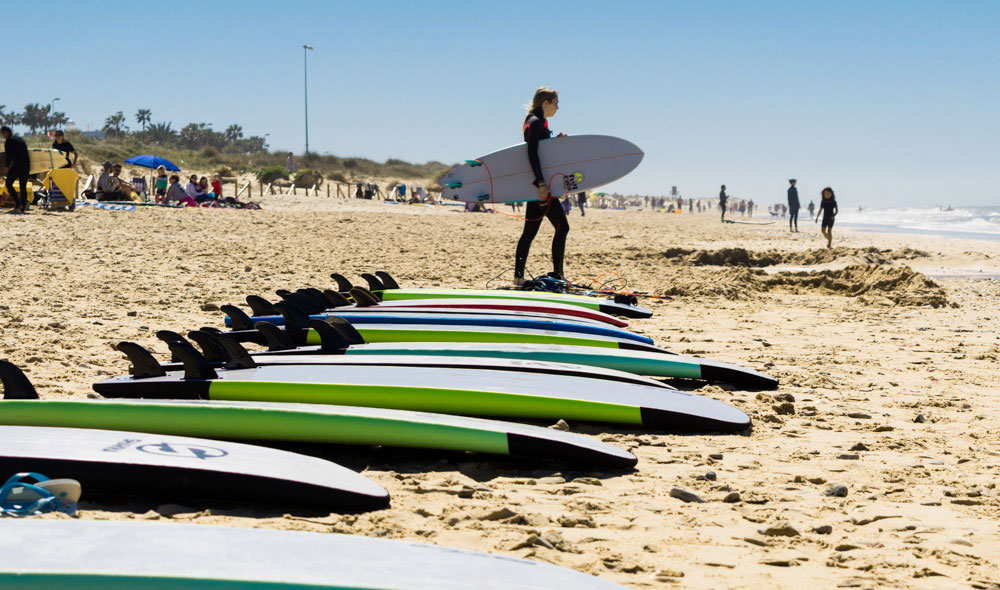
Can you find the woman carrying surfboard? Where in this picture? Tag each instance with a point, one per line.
(536, 128)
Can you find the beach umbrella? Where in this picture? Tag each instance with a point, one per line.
(152, 162)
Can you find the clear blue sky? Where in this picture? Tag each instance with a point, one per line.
(892, 103)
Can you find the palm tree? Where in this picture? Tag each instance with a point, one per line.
(9, 118)
(233, 133)
(143, 116)
(35, 116)
(161, 133)
(58, 119)
(113, 124)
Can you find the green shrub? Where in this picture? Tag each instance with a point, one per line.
(337, 177)
(225, 172)
(210, 152)
(308, 178)
(272, 173)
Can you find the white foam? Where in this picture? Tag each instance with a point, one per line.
(967, 220)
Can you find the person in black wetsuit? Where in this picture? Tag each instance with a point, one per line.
(722, 202)
(536, 128)
(793, 206)
(18, 165)
(63, 145)
(827, 206)
(581, 199)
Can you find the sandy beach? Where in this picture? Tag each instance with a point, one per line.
(874, 465)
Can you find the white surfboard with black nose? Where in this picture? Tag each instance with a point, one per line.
(170, 468)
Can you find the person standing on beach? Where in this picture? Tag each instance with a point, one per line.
(793, 206)
(290, 162)
(581, 198)
(60, 143)
(827, 206)
(812, 208)
(722, 202)
(536, 128)
(18, 165)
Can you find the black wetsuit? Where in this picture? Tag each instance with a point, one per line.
(581, 198)
(536, 128)
(18, 166)
(827, 205)
(67, 147)
(793, 207)
(722, 203)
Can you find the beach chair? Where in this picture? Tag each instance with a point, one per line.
(61, 186)
(139, 186)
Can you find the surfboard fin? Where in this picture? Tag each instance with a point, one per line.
(344, 327)
(473, 163)
(144, 365)
(373, 283)
(274, 336)
(261, 306)
(363, 297)
(210, 348)
(16, 384)
(293, 314)
(302, 302)
(331, 339)
(317, 296)
(343, 285)
(626, 298)
(167, 336)
(240, 320)
(336, 299)
(195, 365)
(309, 297)
(387, 281)
(238, 357)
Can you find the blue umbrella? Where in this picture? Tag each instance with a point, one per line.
(152, 162)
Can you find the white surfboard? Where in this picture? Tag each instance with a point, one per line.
(569, 164)
(95, 555)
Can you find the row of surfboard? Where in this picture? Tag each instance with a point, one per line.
(385, 366)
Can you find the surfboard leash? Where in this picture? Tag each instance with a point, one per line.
(493, 193)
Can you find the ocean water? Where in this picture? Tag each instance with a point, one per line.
(981, 223)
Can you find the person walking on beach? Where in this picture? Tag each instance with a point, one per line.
(828, 207)
(536, 128)
(18, 165)
(793, 206)
(581, 198)
(722, 202)
(812, 208)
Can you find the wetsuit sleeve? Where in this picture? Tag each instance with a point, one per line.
(533, 136)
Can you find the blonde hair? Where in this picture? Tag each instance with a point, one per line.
(543, 94)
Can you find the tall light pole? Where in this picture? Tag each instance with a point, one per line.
(305, 77)
(52, 107)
